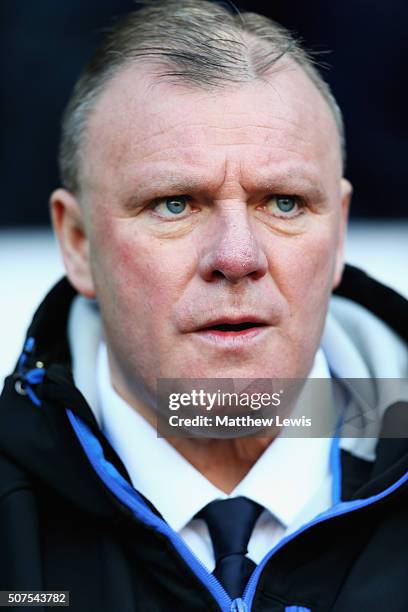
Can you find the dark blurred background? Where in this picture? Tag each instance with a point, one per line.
(44, 44)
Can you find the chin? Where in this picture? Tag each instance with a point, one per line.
(242, 372)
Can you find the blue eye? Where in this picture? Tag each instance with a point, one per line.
(172, 207)
(286, 203)
(284, 207)
(176, 205)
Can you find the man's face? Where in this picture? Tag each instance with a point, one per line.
(214, 223)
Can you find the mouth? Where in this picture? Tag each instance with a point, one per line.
(231, 333)
(232, 328)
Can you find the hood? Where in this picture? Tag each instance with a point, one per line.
(36, 435)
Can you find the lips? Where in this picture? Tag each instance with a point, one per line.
(237, 327)
(231, 334)
(232, 326)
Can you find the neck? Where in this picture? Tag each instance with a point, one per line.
(223, 462)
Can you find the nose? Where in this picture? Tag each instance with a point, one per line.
(232, 251)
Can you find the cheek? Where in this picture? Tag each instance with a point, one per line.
(138, 274)
(304, 269)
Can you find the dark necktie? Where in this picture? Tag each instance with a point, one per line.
(230, 523)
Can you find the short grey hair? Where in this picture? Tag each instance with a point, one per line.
(203, 43)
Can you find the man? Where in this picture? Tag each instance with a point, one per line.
(202, 221)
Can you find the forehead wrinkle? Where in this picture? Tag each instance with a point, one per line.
(290, 131)
(190, 134)
(197, 160)
(191, 131)
(192, 153)
(207, 126)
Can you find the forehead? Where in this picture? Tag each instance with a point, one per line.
(142, 123)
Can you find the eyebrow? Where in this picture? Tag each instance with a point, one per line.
(166, 183)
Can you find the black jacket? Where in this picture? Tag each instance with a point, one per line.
(70, 519)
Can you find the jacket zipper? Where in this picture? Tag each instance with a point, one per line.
(340, 509)
(130, 498)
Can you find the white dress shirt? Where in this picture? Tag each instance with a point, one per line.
(292, 479)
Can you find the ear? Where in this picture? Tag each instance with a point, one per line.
(346, 193)
(68, 221)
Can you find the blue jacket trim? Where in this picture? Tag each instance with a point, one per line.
(131, 498)
(28, 378)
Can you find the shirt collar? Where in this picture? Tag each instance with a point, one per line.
(291, 470)
(283, 479)
(156, 469)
